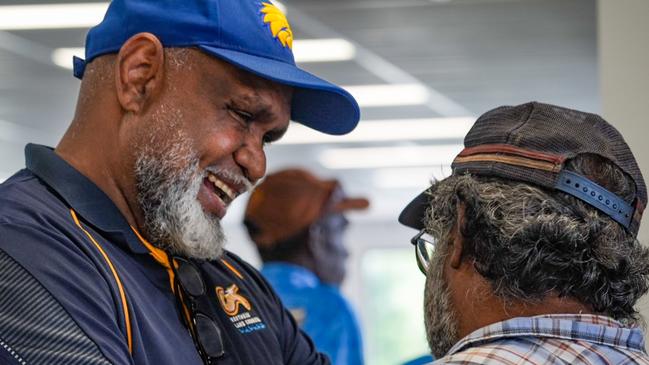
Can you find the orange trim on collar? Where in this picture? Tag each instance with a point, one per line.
(160, 256)
(163, 259)
(229, 266)
(122, 293)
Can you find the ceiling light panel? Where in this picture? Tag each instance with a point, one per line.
(62, 57)
(323, 50)
(385, 131)
(51, 16)
(378, 157)
(306, 50)
(389, 95)
(409, 177)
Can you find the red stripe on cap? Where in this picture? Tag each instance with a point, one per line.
(512, 150)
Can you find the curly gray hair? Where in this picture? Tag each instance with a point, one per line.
(529, 242)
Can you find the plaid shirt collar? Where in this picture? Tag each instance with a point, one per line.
(580, 327)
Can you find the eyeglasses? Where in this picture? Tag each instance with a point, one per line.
(193, 303)
(424, 249)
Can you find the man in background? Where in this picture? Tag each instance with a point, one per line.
(296, 222)
(529, 247)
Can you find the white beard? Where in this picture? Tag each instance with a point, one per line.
(168, 181)
(439, 316)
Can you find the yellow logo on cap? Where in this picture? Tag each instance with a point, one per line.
(278, 24)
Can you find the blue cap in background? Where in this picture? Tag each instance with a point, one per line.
(250, 34)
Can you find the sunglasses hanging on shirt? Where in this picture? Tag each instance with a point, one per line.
(191, 295)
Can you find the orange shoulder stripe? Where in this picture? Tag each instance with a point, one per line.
(122, 293)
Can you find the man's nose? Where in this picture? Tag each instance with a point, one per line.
(252, 160)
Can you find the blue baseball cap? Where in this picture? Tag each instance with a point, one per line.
(249, 34)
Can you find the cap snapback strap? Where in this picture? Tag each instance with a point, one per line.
(597, 196)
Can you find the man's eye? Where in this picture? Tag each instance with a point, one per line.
(242, 115)
(268, 139)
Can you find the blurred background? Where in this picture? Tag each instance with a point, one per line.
(422, 71)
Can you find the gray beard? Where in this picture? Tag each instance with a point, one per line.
(168, 181)
(439, 316)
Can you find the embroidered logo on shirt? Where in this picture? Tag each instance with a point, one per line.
(238, 308)
(279, 26)
(231, 300)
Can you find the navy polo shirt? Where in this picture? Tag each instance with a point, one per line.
(80, 287)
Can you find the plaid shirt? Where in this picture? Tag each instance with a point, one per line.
(551, 339)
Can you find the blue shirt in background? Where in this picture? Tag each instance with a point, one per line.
(320, 309)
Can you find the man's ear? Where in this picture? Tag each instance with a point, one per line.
(455, 254)
(139, 72)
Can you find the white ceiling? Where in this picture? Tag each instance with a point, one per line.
(468, 56)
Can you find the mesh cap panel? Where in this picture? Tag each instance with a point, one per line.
(531, 143)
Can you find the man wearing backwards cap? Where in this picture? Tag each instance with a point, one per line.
(296, 221)
(529, 247)
(111, 250)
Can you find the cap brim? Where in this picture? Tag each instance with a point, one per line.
(351, 204)
(413, 214)
(316, 103)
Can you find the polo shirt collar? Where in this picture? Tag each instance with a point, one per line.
(81, 194)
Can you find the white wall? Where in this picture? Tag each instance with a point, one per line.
(624, 75)
(623, 40)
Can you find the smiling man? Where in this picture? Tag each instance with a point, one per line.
(111, 249)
